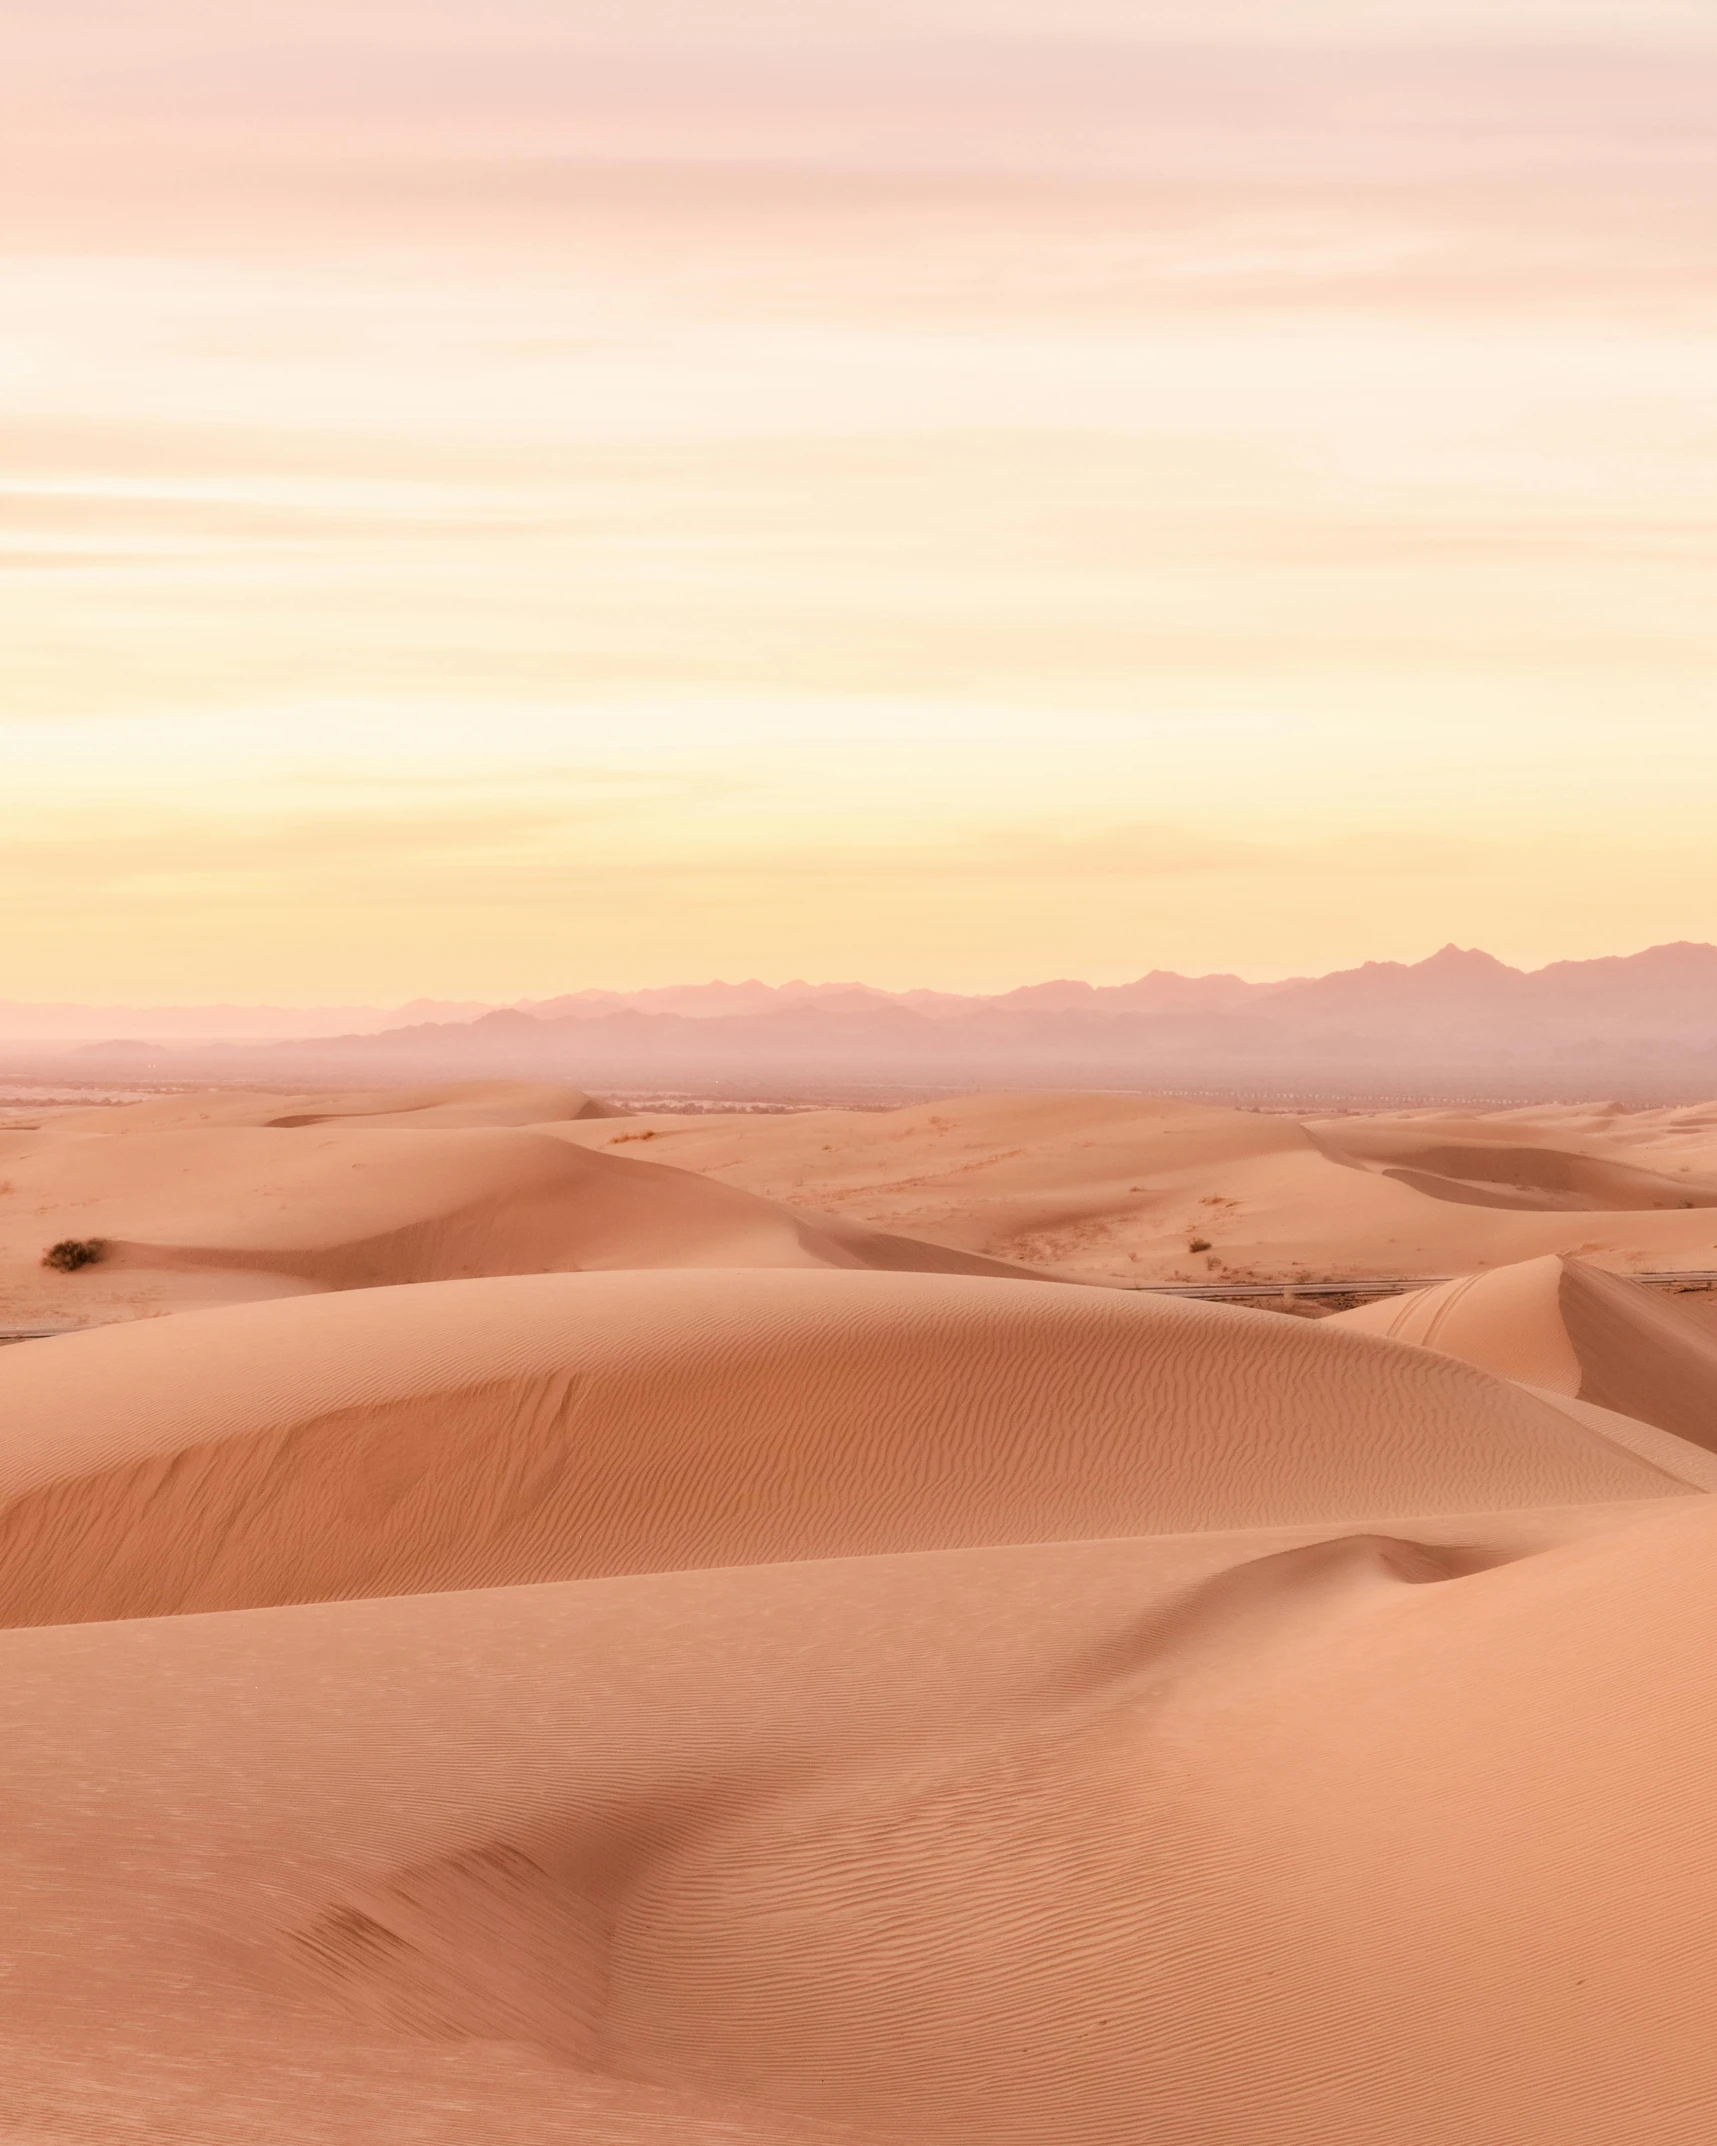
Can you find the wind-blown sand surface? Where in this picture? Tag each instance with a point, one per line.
(814, 1704)
(202, 1201)
(557, 1427)
(1118, 1188)
(1565, 1326)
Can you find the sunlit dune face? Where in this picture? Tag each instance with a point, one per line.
(493, 499)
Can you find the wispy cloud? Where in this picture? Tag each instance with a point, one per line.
(1023, 477)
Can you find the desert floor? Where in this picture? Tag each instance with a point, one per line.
(521, 1623)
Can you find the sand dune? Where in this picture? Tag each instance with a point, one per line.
(552, 1427)
(1563, 1325)
(1482, 1164)
(200, 1202)
(744, 1698)
(1120, 1188)
(208, 1200)
(448, 1103)
(1676, 1142)
(1131, 1853)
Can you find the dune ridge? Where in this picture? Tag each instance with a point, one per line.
(461, 1435)
(1567, 1326)
(200, 1201)
(209, 1200)
(750, 1694)
(794, 1882)
(1121, 1188)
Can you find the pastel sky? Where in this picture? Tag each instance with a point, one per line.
(502, 497)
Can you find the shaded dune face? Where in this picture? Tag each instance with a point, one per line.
(767, 1694)
(226, 1212)
(549, 1427)
(1178, 1911)
(1569, 1327)
(207, 1200)
(1526, 1176)
(1120, 1188)
(1640, 1354)
(622, 1937)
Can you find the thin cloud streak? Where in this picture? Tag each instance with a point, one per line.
(1248, 424)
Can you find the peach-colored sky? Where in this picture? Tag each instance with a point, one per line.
(500, 498)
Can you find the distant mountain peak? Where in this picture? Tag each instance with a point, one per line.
(1473, 960)
(1614, 1017)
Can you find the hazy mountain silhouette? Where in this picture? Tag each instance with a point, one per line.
(1643, 1022)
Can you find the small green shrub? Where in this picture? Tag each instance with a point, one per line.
(73, 1252)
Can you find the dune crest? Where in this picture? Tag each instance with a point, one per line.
(1565, 1325)
(549, 1427)
(1129, 1854)
(444, 1103)
(1141, 1188)
(200, 1202)
(751, 1690)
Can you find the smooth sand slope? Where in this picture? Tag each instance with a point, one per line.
(751, 1704)
(1398, 1837)
(210, 1200)
(213, 1199)
(1677, 1141)
(447, 1103)
(1564, 1325)
(1119, 1188)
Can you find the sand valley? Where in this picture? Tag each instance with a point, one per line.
(524, 1622)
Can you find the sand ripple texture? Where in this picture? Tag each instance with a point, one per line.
(1400, 1836)
(551, 1427)
(797, 1704)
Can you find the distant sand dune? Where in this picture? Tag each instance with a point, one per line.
(1534, 1175)
(1120, 1188)
(766, 1693)
(446, 1103)
(199, 1204)
(209, 1200)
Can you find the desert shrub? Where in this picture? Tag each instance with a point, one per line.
(1199, 1244)
(74, 1252)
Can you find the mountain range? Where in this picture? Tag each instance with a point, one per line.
(1644, 1022)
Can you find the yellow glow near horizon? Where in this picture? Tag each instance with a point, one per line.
(501, 499)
